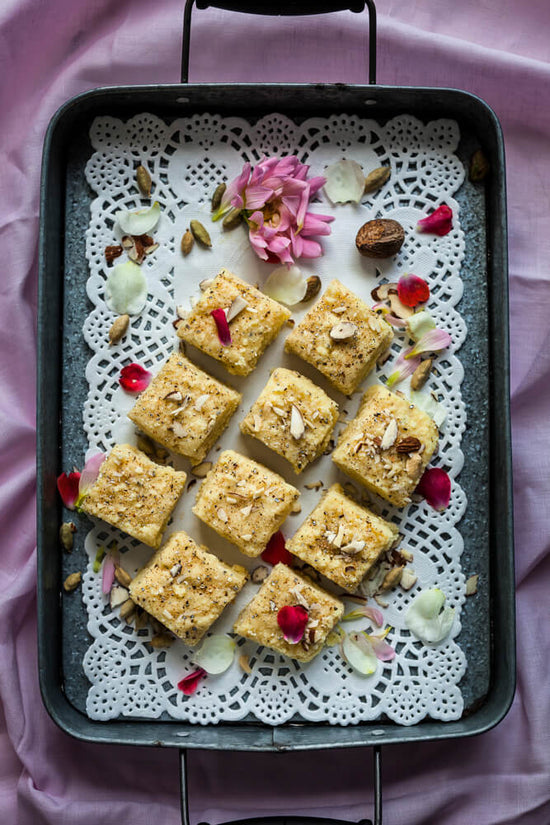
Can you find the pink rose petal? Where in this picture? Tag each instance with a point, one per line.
(222, 326)
(382, 649)
(440, 222)
(435, 487)
(432, 341)
(190, 683)
(412, 290)
(89, 473)
(374, 615)
(276, 552)
(405, 367)
(134, 378)
(109, 566)
(67, 484)
(292, 619)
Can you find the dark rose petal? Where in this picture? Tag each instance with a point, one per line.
(276, 551)
(435, 487)
(412, 290)
(67, 484)
(222, 326)
(134, 378)
(190, 683)
(292, 619)
(440, 222)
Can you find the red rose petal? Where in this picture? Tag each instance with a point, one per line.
(276, 551)
(190, 683)
(435, 487)
(412, 290)
(134, 378)
(292, 619)
(67, 484)
(440, 222)
(222, 326)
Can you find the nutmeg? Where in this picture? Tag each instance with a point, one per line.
(380, 238)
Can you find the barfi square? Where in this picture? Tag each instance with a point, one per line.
(293, 417)
(341, 337)
(284, 587)
(186, 587)
(134, 494)
(244, 502)
(184, 408)
(255, 325)
(341, 539)
(387, 445)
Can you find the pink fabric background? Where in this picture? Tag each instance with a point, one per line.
(52, 50)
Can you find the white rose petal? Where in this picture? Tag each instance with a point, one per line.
(345, 182)
(287, 285)
(359, 654)
(426, 618)
(216, 654)
(425, 401)
(139, 222)
(126, 289)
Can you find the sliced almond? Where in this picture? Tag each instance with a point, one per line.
(391, 579)
(297, 427)
(201, 401)
(399, 309)
(390, 434)
(244, 663)
(117, 596)
(179, 430)
(174, 395)
(175, 570)
(245, 511)
(381, 292)
(222, 515)
(127, 609)
(259, 574)
(353, 547)
(257, 422)
(205, 284)
(408, 579)
(236, 307)
(201, 470)
(343, 331)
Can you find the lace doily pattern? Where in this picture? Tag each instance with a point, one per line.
(187, 159)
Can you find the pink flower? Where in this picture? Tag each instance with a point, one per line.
(439, 222)
(292, 619)
(275, 196)
(134, 378)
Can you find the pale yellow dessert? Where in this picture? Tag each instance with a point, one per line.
(341, 337)
(244, 502)
(387, 445)
(293, 417)
(257, 323)
(258, 620)
(341, 539)
(186, 588)
(184, 408)
(134, 494)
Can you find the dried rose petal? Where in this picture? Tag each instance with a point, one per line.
(67, 484)
(292, 619)
(222, 326)
(276, 552)
(190, 683)
(440, 222)
(134, 378)
(412, 290)
(435, 487)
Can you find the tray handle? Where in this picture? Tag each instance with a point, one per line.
(280, 8)
(283, 820)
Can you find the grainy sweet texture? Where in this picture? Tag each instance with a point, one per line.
(184, 408)
(244, 501)
(293, 417)
(369, 448)
(135, 494)
(186, 587)
(258, 620)
(252, 330)
(347, 357)
(341, 539)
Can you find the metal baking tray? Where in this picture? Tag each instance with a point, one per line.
(488, 620)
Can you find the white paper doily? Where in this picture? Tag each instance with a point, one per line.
(187, 159)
